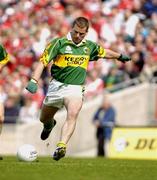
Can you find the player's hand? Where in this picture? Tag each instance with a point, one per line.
(124, 58)
(32, 86)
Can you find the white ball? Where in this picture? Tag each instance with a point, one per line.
(27, 152)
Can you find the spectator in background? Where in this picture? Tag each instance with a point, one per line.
(11, 110)
(131, 71)
(149, 69)
(150, 7)
(104, 120)
(114, 77)
(95, 84)
(111, 78)
(28, 113)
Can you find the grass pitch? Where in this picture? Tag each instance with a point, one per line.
(77, 169)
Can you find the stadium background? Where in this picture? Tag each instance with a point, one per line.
(127, 26)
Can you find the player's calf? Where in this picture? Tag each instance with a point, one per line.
(47, 129)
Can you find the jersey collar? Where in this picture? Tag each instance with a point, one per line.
(70, 39)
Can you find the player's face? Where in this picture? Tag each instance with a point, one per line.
(78, 34)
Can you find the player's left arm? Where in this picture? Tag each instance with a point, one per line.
(100, 52)
(109, 54)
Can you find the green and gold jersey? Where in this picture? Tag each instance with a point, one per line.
(4, 57)
(70, 61)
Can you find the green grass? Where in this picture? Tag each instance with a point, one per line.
(78, 169)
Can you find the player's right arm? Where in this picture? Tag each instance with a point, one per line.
(49, 53)
(32, 85)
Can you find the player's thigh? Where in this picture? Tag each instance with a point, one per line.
(73, 105)
(47, 112)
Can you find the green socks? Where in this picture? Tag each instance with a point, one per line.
(49, 124)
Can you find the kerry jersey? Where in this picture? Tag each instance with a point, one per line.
(70, 60)
(4, 57)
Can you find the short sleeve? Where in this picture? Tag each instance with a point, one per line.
(98, 52)
(50, 52)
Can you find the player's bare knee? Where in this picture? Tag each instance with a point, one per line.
(72, 114)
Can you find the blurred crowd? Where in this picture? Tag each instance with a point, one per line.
(26, 26)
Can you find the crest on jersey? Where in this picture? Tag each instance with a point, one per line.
(86, 50)
(68, 50)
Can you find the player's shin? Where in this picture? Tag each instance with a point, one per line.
(47, 128)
